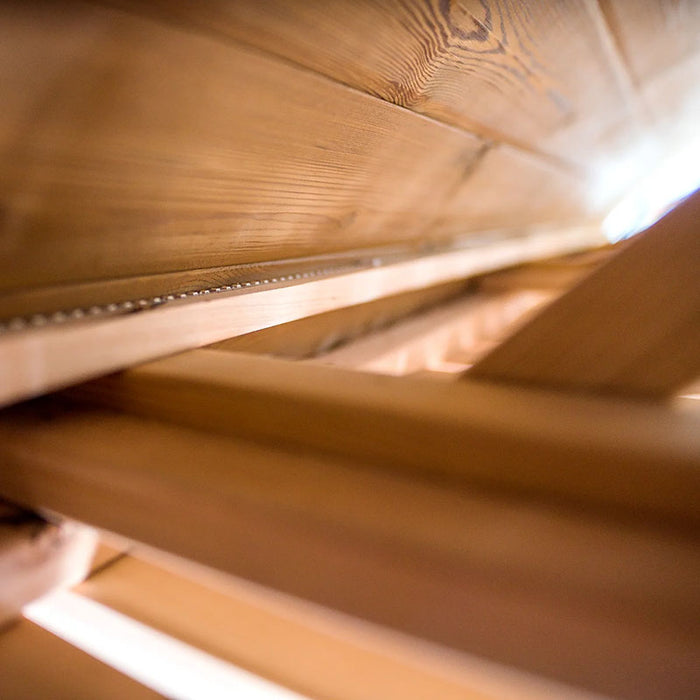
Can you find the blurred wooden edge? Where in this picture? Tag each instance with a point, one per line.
(37, 556)
(588, 600)
(630, 328)
(419, 343)
(634, 459)
(36, 361)
(307, 648)
(37, 664)
(554, 274)
(314, 335)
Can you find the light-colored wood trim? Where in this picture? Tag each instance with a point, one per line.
(621, 455)
(586, 599)
(39, 360)
(37, 664)
(315, 335)
(631, 328)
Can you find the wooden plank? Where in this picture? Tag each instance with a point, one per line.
(631, 458)
(510, 70)
(555, 274)
(51, 355)
(300, 646)
(314, 335)
(37, 664)
(632, 327)
(592, 601)
(506, 188)
(653, 35)
(427, 340)
(221, 147)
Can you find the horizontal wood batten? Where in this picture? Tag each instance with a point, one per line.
(585, 599)
(631, 458)
(42, 359)
(300, 646)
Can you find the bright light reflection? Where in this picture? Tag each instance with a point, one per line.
(655, 194)
(159, 662)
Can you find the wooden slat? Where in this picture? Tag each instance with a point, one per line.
(514, 71)
(45, 358)
(313, 335)
(37, 664)
(582, 598)
(428, 339)
(632, 327)
(636, 458)
(299, 646)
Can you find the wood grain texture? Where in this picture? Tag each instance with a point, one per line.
(44, 358)
(578, 597)
(631, 328)
(37, 664)
(148, 149)
(631, 459)
(510, 70)
(131, 147)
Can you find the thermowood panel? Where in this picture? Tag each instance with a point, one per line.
(510, 70)
(135, 148)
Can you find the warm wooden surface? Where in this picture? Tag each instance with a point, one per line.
(427, 340)
(632, 327)
(319, 333)
(633, 458)
(37, 664)
(309, 649)
(509, 70)
(134, 147)
(571, 594)
(653, 35)
(45, 358)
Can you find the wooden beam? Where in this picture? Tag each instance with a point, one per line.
(624, 456)
(303, 647)
(586, 599)
(317, 334)
(420, 343)
(631, 328)
(53, 355)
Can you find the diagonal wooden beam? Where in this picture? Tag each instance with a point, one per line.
(631, 328)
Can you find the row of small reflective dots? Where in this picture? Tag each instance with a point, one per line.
(39, 320)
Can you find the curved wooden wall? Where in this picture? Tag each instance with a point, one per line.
(147, 139)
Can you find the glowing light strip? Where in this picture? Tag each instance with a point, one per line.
(156, 660)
